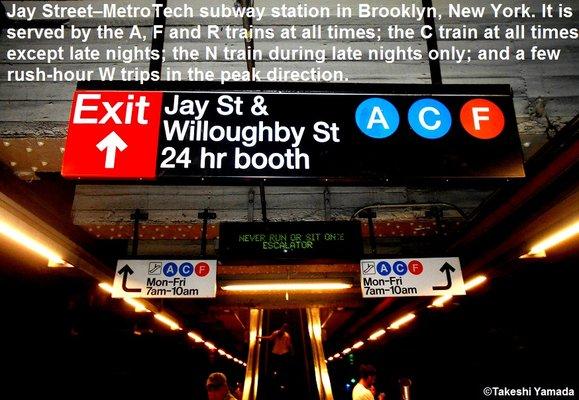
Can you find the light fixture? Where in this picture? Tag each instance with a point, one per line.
(377, 334)
(346, 350)
(285, 286)
(139, 307)
(539, 249)
(357, 345)
(441, 300)
(470, 284)
(210, 345)
(330, 358)
(474, 282)
(337, 355)
(401, 321)
(168, 321)
(195, 337)
(54, 259)
(106, 287)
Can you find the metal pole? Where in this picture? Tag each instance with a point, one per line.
(205, 215)
(250, 205)
(159, 40)
(204, 234)
(138, 216)
(248, 25)
(263, 202)
(432, 44)
(327, 204)
(370, 215)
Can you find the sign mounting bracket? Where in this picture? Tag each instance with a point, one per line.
(205, 216)
(137, 216)
(370, 215)
(263, 202)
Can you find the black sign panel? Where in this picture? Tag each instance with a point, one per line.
(337, 133)
(290, 241)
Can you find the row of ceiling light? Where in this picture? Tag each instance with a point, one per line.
(56, 260)
(397, 324)
(174, 325)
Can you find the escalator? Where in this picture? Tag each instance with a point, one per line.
(303, 373)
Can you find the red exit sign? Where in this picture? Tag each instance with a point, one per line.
(113, 134)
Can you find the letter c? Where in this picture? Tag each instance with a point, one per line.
(424, 33)
(425, 124)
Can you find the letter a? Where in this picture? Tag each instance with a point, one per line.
(377, 117)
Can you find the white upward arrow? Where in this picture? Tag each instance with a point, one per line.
(111, 143)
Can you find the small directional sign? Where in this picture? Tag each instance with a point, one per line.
(411, 277)
(165, 278)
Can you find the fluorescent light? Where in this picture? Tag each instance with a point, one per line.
(221, 352)
(539, 249)
(139, 307)
(399, 322)
(357, 345)
(195, 337)
(346, 350)
(54, 259)
(167, 321)
(59, 264)
(210, 346)
(106, 287)
(441, 300)
(337, 355)
(285, 286)
(330, 358)
(377, 334)
(229, 356)
(474, 282)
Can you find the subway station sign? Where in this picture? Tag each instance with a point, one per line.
(338, 133)
(290, 241)
(165, 278)
(411, 277)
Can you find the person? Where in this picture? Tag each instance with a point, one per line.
(381, 396)
(280, 353)
(217, 388)
(238, 391)
(367, 378)
(282, 341)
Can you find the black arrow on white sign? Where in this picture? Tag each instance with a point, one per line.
(446, 268)
(125, 272)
